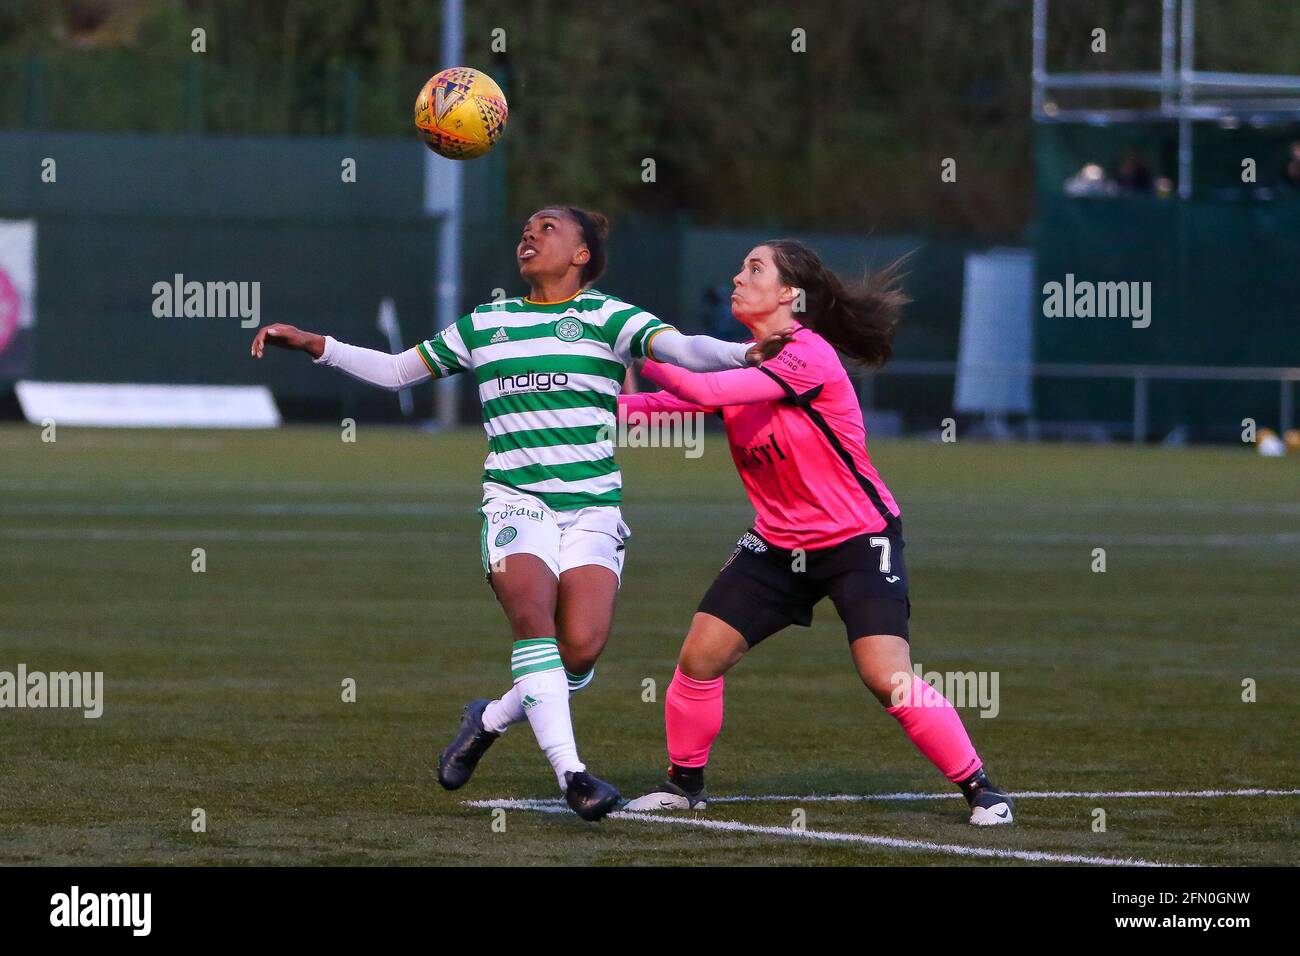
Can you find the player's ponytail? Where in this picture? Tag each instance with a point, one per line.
(595, 230)
(858, 319)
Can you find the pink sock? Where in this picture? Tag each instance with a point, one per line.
(692, 718)
(936, 729)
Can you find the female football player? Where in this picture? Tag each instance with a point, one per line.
(826, 524)
(549, 368)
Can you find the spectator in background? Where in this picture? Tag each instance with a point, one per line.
(715, 315)
(1089, 181)
(1291, 170)
(1134, 173)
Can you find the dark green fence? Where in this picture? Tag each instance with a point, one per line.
(1225, 288)
(128, 211)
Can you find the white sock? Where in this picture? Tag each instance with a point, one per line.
(501, 713)
(539, 677)
(508, 709)
(578, 681)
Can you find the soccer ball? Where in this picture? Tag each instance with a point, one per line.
(1268, 444)
(460, 113)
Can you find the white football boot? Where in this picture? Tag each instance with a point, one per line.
(991, 807)
(668, 796)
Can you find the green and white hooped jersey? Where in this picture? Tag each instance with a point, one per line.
(549, 375)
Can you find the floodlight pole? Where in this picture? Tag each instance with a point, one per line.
(449, 179)
(1186, 76)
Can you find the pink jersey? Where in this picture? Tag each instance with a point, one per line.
(797, 439)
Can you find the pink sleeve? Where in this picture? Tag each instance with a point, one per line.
(805, 363)
(647, 402)
(735, 386)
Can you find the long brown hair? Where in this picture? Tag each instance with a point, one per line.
(860, 318)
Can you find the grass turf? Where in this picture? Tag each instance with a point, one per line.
(328, 561)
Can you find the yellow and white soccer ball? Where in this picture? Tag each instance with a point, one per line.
(461, 113)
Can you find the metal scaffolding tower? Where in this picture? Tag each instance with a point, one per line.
(1187, 95)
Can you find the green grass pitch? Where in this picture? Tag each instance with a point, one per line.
(328, 560)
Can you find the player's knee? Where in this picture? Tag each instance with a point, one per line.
(888, 685)
(581, 644)
(581, 660)
(881, 691)
(700, 663)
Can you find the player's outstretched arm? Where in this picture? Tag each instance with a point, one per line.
(703, 353)
(740, 386)
(392, 372)
(648, 403)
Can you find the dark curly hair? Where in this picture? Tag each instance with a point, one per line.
(595, 230)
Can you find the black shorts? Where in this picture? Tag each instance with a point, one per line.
(762, 588)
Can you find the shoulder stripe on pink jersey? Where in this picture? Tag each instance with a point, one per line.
(804, 402)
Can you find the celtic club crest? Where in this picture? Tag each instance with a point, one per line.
(568, 330)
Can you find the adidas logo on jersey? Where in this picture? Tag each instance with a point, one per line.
(498, 337)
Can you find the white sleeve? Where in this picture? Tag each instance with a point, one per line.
(393, 372)
(695, 353)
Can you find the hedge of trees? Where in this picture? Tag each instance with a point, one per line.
(842, 126)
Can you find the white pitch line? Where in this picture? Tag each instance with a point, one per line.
(420, 510)
(1019, 794)
(315, 534)
(1208, 540)
(419, 489)
(832, 836)
(536, 804)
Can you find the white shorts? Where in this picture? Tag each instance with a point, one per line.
(518, 523)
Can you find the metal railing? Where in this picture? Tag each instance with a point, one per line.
(1140, 375)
